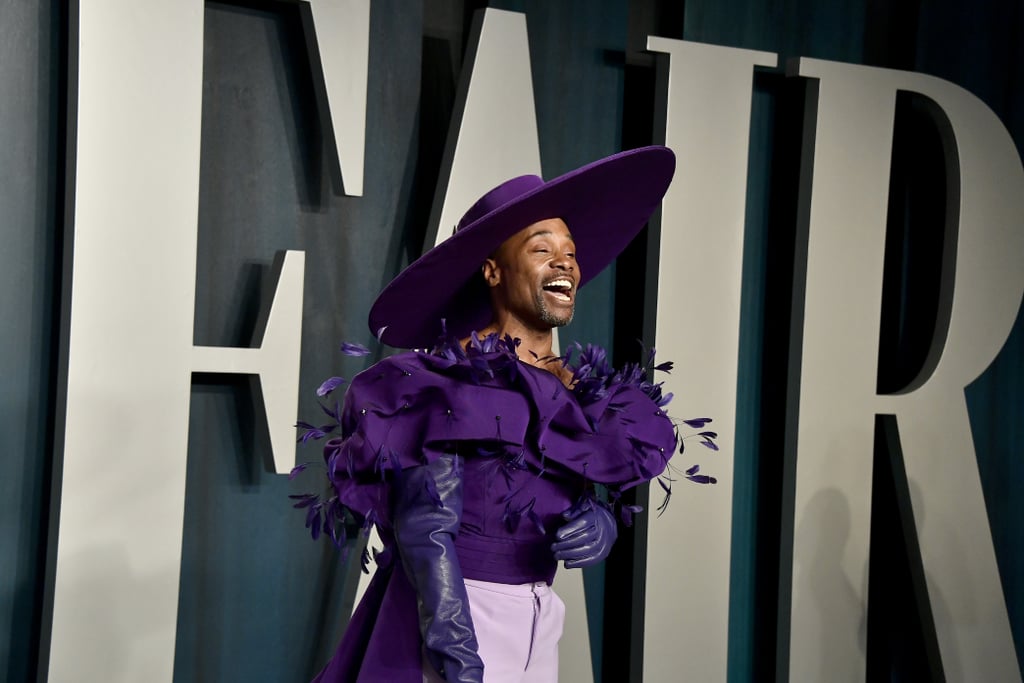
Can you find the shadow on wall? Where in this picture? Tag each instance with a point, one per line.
(826, 528)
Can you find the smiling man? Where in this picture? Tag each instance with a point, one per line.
(539, 260)
(477, 461)
(533, 279)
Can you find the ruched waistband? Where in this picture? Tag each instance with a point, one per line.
(504, 560)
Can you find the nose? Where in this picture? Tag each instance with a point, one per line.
(563, 261)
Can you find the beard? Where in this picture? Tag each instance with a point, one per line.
(548, 317)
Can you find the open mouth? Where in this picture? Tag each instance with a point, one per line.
(560, 289)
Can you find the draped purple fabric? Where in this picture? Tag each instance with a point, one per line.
(531, 449)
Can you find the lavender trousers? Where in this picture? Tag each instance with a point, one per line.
(517, 631)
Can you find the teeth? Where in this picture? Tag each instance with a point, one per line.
(560, 288)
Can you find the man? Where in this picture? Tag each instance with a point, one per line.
(477, 461)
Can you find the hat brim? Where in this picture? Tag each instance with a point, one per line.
(604, 204)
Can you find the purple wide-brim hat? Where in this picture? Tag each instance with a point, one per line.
(605, 204)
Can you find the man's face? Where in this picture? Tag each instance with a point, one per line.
(534, 275)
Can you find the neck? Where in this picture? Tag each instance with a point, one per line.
(535, 343)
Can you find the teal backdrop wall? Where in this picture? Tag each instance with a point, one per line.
(246, 613)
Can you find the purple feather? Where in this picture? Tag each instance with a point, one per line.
(335, 510)
(396, 464)
(332, 464)
(537, 523)
(668, 497)
(304, 500)
(336, 414)
(510, 518)
(627, 512)
(353, 349)
(330, 385)
(314, 433)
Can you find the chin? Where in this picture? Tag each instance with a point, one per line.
(556, 321)
(559, 317)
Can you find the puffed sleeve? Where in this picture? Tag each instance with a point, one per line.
(408, 410)
(622, 440)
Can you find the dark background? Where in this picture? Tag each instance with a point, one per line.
(258, 600)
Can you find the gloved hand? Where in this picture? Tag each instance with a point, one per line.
(427, 510)
(588, 536)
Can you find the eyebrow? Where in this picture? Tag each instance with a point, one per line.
(544, 233)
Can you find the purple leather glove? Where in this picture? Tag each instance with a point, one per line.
(427, 510)
(588, 536)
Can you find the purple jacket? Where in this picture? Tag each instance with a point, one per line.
(532, 448)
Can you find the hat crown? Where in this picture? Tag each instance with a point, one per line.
(499, 197)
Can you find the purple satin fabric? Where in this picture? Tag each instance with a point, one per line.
(530, 451)
(382, 640)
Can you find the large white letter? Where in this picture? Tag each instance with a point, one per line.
(707, 123)
(838, 400)
(493, 133)
(136, 170)
(338, 40)
(127, 340)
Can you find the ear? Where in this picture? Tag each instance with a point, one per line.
(491, 272)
